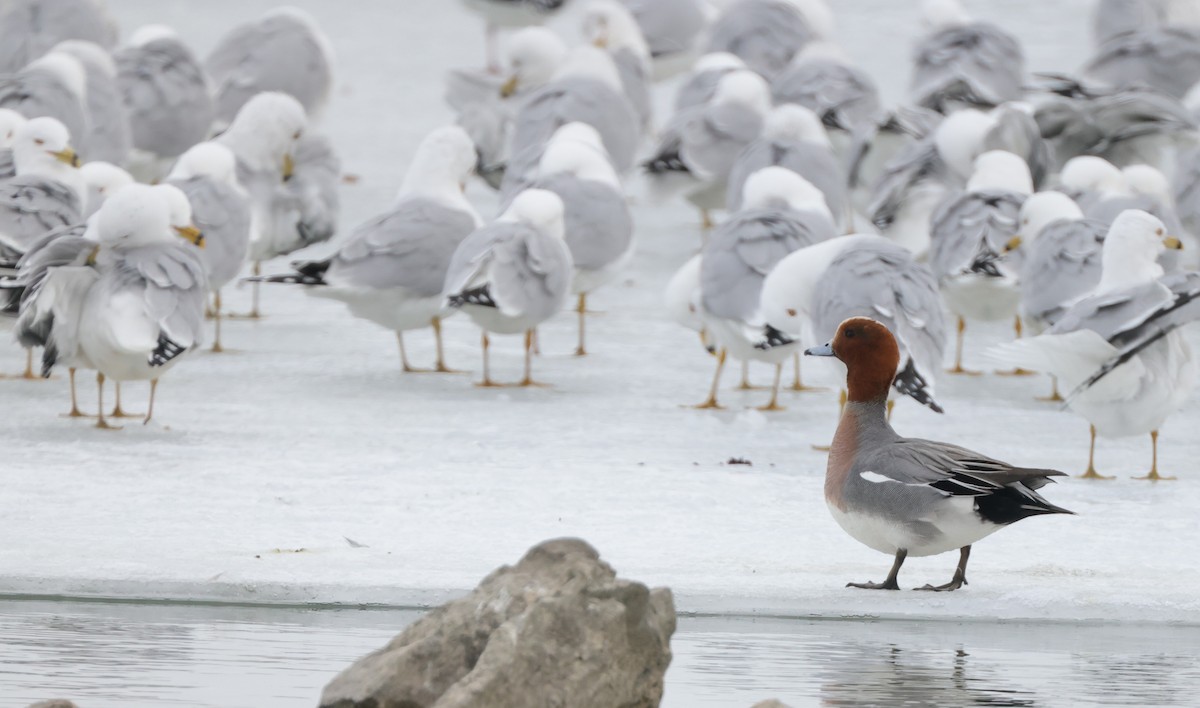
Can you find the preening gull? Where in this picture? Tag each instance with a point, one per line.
(1119, 351)
(962, 62)
(30, 28)
(284, 50)
(598, 223)
(701, 83)
(843, 96)
(207, 175)
(510, 13)
(167, 96)
(514, 274)
(974, 252)
(146, 308)
(682, 298)
(390, 270)
(103, 179)
(782, 212)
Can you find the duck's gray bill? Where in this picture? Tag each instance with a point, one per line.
(825, 349)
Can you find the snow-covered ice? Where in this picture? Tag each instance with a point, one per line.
(265, 460)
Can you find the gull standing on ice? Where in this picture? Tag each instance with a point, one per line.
(514, 274)
(167, 96)
(284, 50)
(54, 85)
(682, 298)
(843, 96)
(782, 212)
(975, 253)
(47, 191)
(103, 179)
(609, 25)
(672, 29)
(390, 270)
(146, 308)
(207, 175)
(1119, 351)
(963, 62)
(30, 28)
(510, 13)
(598, 222)
(906, 496)
(264, 137)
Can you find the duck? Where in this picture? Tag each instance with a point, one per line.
(908, 496)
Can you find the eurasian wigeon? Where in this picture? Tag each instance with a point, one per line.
(906, 496)
(1119, 350)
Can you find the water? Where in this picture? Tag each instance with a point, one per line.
(105, 655)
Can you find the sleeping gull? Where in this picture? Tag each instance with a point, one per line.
(264, 137)
(514, 274)
(609, 25)
(598, 223)
(103, 179)
(701, 84)
(1119, 350)
(30, 28)
(390, 270)
(794, 138)
(167, 96)
(284, 50)
(766, 34)
(700, 145)
(962, 62)
(587, 90)
(974, 252)
(782, 212)
(146, 308)
(54, 85)
(207, 175)
(813, 290)
(109, 137)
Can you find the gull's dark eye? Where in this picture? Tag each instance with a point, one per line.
(849, 334)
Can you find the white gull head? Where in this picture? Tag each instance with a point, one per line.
(1000, 170)
(779, 187)
(541, 209)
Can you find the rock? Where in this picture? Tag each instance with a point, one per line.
(558, 629)
(55, 703)
(772, 703)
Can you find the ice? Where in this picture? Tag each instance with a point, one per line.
(264, 460)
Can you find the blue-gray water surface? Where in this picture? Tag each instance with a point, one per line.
(110, 655)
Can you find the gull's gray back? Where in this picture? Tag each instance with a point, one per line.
(965, 225)
(530, 272)
(409, 247)
(171, 281)
(765, 34)
(976, 63)
(714, 137)
(1063, 265)
(1165, 58)
(30, 206)
(109, 136)
(222, 214)
(843, 96)
(305, 208)
(599, 226)
(815, 163)
(166, 94)
(36, 92)
(30, 28)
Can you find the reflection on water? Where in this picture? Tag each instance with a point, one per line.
(109, 655)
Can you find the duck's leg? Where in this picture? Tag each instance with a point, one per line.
(216, 347)
(773, 404)
(404, 365)
(1153, 475)
(958, 351)
(100, 421)
(117, 411)
(960, 574)
(1018, 331)
(1055, 396)
(797, 382)
(581, 350)
(891, 582)
(1091, 470)
(711, 402)
(150, 410)
(530, 342)
(440, 367)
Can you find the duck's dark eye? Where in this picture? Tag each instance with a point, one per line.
(849, 334)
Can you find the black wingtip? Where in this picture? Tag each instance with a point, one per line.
(911, 383)
(166, 351)
(773, 338)
(480, 296)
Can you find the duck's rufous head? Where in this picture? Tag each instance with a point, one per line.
(870, 354)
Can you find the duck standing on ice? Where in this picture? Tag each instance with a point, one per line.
(906, 496)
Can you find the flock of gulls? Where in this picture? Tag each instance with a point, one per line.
(140, 179)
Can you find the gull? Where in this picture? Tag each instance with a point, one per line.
(609, 25)
(672, 29)
(1162, 58)
(207, 175)
(701, 83)
(514, 274)
(390, 269)
(47, 191)
(767, 34)
(264, 137)
(30, 28)
(283, 50)
(598, 222)
(510, 13)
(975, 253)
(782, 212)
(794, 138)
(10, 120)
(906, 496)
(964, 62)
(54, 86)
(682, 299)
(167, 97)
(144, 311)
(109, 137)
(700, 145)
(103, 179)
(842, 95)
(1119, 351)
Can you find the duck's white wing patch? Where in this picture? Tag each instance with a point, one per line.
(876, 478)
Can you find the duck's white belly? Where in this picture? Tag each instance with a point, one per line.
(955, 520)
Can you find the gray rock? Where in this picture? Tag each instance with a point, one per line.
(558, 629)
